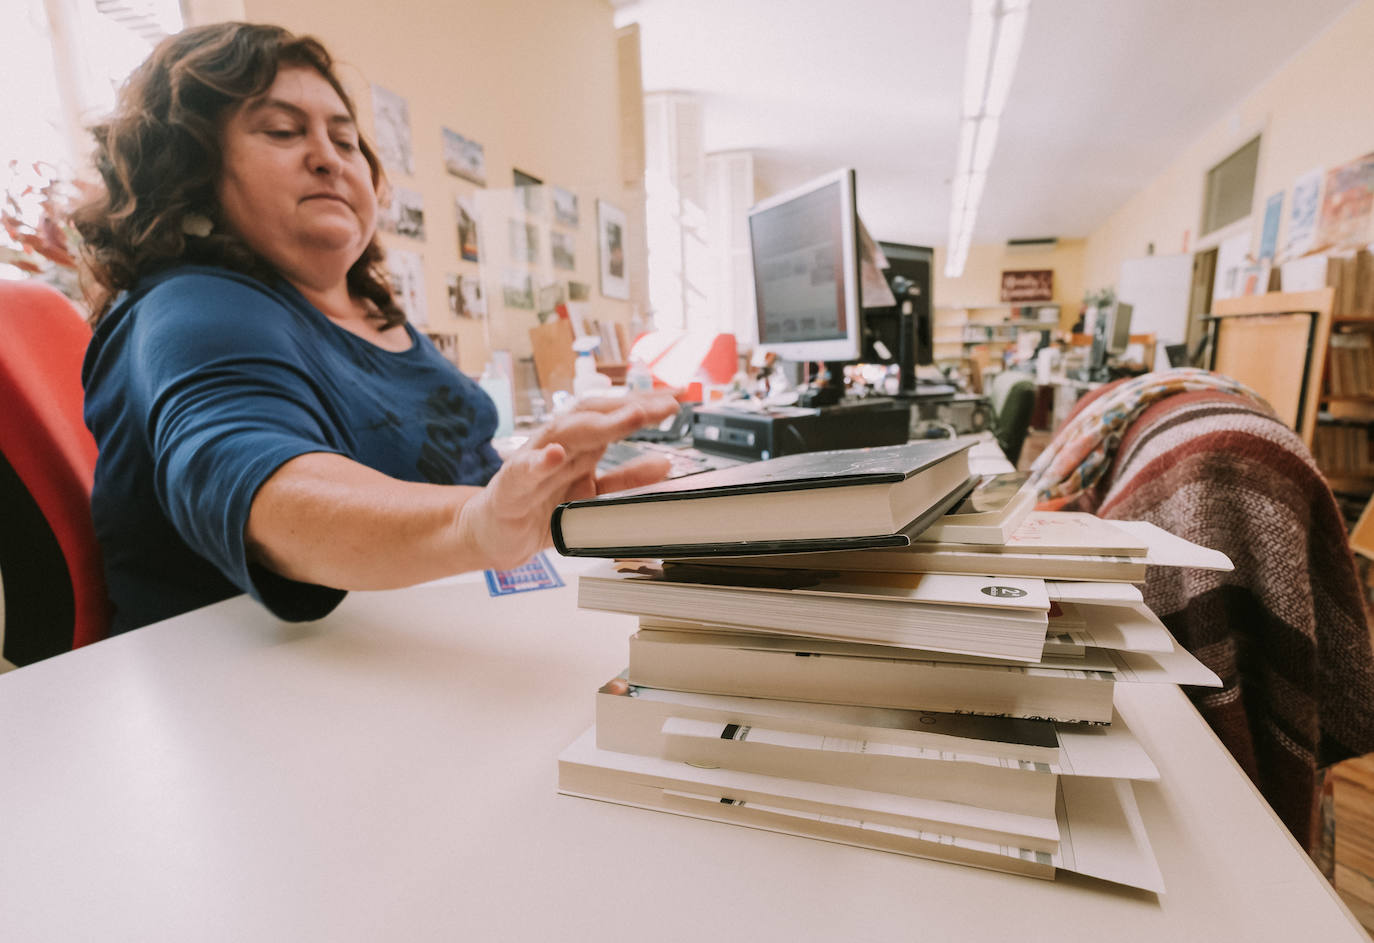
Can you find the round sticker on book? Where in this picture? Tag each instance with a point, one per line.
(1003, 592)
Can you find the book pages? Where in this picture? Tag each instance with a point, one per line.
(1167, 550)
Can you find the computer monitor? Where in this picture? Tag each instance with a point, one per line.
(805, 249)
(1119, 328)
(882, 326)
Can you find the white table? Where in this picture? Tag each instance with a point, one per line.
(389, 774)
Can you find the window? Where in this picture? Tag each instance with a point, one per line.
(1230, 188)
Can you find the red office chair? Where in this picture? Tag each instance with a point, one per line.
(49, 560)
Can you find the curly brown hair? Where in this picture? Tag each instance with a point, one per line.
(159, 158)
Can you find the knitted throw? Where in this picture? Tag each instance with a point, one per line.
(1285, 631)
(1081, 451)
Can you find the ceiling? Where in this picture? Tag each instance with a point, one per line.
(1106, 94)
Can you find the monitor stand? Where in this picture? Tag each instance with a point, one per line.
(830, 391)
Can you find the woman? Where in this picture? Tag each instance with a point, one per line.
(267, 421)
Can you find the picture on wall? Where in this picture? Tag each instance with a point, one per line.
(579, 291)
(467, 229)
(465, 296)
(531, 190)
(550, 297)
(1302, 214)
(524, 241)
(464, 158)
(1347, 202)
(610, 225)
(404, 213)
(517, 291)
(564, 253)
(407, 273)
(391, 120)
(565, 207)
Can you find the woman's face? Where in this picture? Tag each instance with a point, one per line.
(295, 185)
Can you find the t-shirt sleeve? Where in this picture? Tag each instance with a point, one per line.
(221, 373)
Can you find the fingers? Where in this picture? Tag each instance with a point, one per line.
(635, 474)
(596, 423)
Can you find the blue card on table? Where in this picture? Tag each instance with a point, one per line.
(537, 574)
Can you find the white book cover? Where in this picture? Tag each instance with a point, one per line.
(1132, 628)
(1073, 532)
(1097, 823)
(925, 589)
(1165, 549)
(1177, 666)
(1100, 594)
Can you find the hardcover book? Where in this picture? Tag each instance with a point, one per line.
(841, 499)
(989, 515)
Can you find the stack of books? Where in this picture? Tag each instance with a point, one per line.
(896, 697)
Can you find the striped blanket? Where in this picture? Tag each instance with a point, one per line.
(1286, 630)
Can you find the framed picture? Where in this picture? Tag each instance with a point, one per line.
(517, 290)
(530, 190)
(565, 207)
(464, 158)
(404, 213)
(465, 296)
(407, 273)
(467, 229)
(610, 225)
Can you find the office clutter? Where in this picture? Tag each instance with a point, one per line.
(894, 698)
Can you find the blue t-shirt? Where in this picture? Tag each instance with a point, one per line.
(201, 383)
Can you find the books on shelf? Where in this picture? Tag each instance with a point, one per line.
(992, 511)
(994, 617)
(851, 498)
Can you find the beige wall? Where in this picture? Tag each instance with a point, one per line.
(981, 283)
(535, 82)
(1313, 112)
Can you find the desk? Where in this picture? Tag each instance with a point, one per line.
(388, 774)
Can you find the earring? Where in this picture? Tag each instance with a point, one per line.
(194, 224)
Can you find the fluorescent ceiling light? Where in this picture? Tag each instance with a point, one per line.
(997, 29)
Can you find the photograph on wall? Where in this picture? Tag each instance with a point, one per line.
(1269, 234)
(524, 241)
(465, 296)
(531, 190)
(403, 213)
(610, 225)
(446, 344)
(579, 291)
(467, 229)
(550, 297)
(1347, 200)
(391, 128)
(564, 253)
(517, 291)
(1302, 214)
(565, 207)
(407, 273)
(464, 158)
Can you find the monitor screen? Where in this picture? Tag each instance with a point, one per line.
(804, 245)
(882, 326)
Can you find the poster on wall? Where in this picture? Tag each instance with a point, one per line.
(1029, 285)
(464, 157)
(467, 229)
(1347, 200)
(517, 290)
(565, 207)
(524, 241)
(579, 291)
(447, 345)
(407, 272)
(1302, 214)
(1231, 266)
(610, 225)
(564, 253)
(391, 120)
(465, 296)
(403, 213)
(1269, 235)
